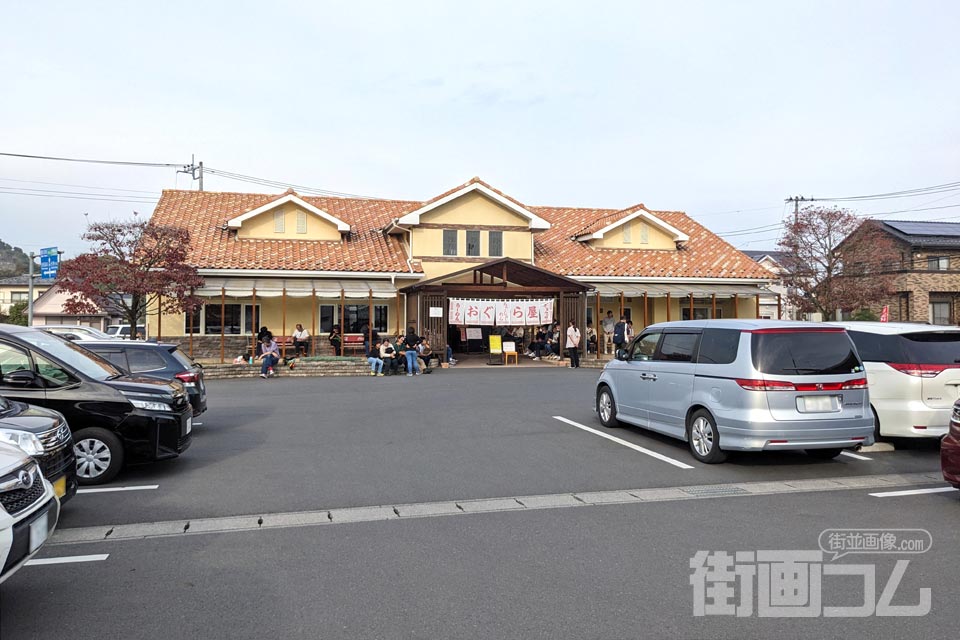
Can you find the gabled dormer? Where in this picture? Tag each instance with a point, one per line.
(632, 228)
(288, 217)
(472, 223)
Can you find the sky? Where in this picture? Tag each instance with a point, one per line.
(719, 109)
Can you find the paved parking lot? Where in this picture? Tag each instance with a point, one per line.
(499, 509)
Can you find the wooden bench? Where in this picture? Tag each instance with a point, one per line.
(285, 344)
(352, 341)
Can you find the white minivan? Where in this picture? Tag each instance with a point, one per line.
(28, 509)
(913, 371)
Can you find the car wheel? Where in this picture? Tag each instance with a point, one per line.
(876, 425)
(607, 408)
(99, 455)
(824, 454)
(704, 439)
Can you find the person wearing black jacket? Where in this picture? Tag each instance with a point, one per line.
(410, 343)
(620, 334)
(373, 357)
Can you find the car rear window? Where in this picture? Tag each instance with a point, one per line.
(719, 346)
(182, 358)
(874, 347)
(932, 347)
(804, 353)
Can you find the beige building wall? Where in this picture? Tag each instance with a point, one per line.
(636, 234)
(657, 308)
(264, 225)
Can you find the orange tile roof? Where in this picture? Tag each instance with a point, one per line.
(366, 248)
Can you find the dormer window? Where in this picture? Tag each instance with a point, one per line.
(301, 221)
(627, 233)
(644, 233)
(279, 225)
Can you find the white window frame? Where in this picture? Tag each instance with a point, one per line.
(301, 221)
(279, 222)
(627, 233)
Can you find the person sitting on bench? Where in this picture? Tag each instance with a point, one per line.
(301, 340)
(269, 356)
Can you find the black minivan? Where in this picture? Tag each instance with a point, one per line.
(45, 435)
(115, 418)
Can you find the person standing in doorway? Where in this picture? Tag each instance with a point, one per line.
(573, 345)
(620, 334)
(608, 324)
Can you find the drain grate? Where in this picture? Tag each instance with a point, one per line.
(717, 490)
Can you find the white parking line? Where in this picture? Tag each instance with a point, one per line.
(630, 445)
(854, 455)
(142, 487)
(911, 492)
(67, 559)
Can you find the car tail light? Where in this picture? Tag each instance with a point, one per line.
(187, 377)
(922, 370)
(781, 385)
(766, 385)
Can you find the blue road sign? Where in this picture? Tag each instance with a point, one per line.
(49, 263)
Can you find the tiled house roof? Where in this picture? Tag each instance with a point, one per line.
(367, 248)
(705, 255)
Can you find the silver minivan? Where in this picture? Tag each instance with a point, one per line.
(741, 385)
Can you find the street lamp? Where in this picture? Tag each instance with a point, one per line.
(30, 286)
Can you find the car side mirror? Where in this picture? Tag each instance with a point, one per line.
(20, 378)
(621, 354)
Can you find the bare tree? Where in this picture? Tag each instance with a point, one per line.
(835, 261)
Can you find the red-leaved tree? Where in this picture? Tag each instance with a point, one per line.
(132, 266)
(835, 261)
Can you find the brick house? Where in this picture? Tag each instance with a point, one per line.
(927, 272)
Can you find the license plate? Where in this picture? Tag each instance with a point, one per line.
(60, 486)
(818, 404)
(38, 531)
(189, 425)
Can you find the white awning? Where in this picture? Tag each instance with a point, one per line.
(659, 290)
(296, 288)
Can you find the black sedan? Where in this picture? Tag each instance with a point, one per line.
(155, 360)
(45, 435)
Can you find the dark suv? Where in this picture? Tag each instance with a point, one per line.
(115, 418)
(45, 435)
(155, 360)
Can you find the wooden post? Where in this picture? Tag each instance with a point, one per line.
(253, 317)
(758, 305)
(370, 318)
(691, 305)
(343, 322)
(398, 312)
(283, 321)
(713, 306)
(597, 328)
(668, 306)
(504, 275)
(646, 320)
(736, 312)
(223, 308)
(159, 318)
(779, 308)
(621, 306)
(313, 323)
(190, 339)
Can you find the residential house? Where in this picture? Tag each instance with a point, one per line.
(278, 260)
(16, 289)
(774, 306)
(926, 268)
(48, 309)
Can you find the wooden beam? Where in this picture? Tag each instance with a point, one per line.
(758, 305)
(159, 318)
(397, 319)
(668, 306)
(736, 312)
(646, 320)
(223, 308)
(313, 324)
(596, 328)
(190, 339)
(713, 306)
(691, 305)
(370, 318)
(504, 265)
(283, 321)
(343, 321)
(779, 308)
(256, 320)
(621, 305)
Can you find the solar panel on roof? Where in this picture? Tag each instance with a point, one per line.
(927, 228)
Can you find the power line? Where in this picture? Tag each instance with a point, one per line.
(70, 197)
(79, 186)
(91, 161)
(278, 184)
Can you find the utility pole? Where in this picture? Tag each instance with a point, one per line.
(194, 170)
(30, 290)
(201, 175)
(796, 200)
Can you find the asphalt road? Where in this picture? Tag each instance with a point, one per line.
(302, 454)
